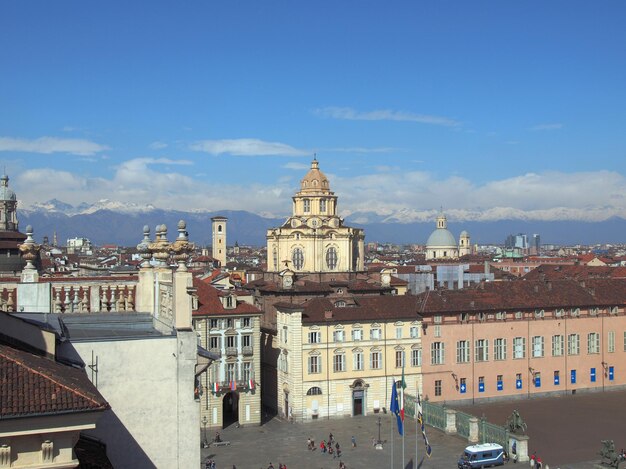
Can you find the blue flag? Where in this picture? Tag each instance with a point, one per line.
(394, 407)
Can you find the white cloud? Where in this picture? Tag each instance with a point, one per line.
(297, 166)
(47, 145)
(247, 147)
(360, 150)
(554, 126)
(346, 113)
(157, 145)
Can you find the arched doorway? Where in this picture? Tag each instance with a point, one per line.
(359, 398)
(230, 409)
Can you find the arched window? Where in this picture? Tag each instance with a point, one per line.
(331, 258)
(297, 258)
(219, 228)
(314, 391)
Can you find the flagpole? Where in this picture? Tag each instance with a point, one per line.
(392, 418)
(416, 427)
(402, 407)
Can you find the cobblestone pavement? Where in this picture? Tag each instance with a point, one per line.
(281, 442)
(565, 431)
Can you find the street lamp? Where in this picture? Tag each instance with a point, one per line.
(205, 443)
(379, 443)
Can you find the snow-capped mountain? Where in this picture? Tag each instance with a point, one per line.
(55, 205)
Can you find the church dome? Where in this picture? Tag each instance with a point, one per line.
(441, 237)
(314, 180)
(464, 233)
(5, 192)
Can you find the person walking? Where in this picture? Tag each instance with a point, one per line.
(322, 446)
(353, 439)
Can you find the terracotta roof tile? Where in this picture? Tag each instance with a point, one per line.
(33, 385)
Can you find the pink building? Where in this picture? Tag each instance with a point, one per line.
(523, 338)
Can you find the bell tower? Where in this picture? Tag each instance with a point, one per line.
(219, 239)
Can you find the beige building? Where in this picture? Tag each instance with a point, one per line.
(314, 238)
(218, 225)
(340, 360)
(230, 329)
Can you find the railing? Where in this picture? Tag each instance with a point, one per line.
(231, 351)
(247, 350)
(463, 424)
(489, 432)
(217, 351)
(434, 415)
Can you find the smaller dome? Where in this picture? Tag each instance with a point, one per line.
(441, 237)
(5, 192)
(314, 180)
(464, 234)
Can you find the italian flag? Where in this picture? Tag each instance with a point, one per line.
(216, 387)
(251, 383)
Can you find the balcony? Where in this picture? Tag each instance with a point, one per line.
(248, 350)
(231, 351)
(217, 351)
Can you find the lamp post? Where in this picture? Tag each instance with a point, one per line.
(205, 420)
(379, 443)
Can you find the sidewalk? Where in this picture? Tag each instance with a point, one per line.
(281, 442)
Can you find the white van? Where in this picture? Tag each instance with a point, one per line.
(485, 455)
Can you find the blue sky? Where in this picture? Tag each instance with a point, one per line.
(492, 109)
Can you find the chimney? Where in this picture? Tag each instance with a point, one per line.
(549, 286)
(328, 315)
(536, 288)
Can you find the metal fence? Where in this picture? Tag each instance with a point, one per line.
(489, 432)
(463, 424)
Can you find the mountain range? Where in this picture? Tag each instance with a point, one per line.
(111, 222)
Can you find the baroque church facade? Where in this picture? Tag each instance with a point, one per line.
(314, 239)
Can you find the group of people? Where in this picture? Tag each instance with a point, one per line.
(536, 462)
(330, 446)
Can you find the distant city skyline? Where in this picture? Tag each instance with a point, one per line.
(491, 110)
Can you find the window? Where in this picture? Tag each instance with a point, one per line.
(437, 330)
(275, 258)
(557, 345)
(247, 371)
(499, 349)
(214, 343)
(611, 342)
(375, 334)
(519, 315)
(464, 317)
(438, 319)
(437, 353)
(613, 310)
(438, 387)
(246, 340)
(331, 258)
(229, 323)
(285, 334)
(462, 351)
(231, 341)
(482, 350)
(229, 302)
(539, 313)
(594, 311)
(414, 332)
(557, 376)
(307, 205)
(339, 362)
(357, 361)
(537, 346)
(357, 334)
(340, 304)
(375, 360)
(322, 205)
(315, 364)
(246, 322)
(314, 391)
(297, 257)
(559, 313)
(214, 323)
(501, 315)
(399, 332)
(575, 312)
(519, 347)
(399, 358)
(416, 357)
(315, 337)
(230, 371)
(338, 336)
(593, 342)
(573, 344)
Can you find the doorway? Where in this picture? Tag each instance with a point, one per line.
(357, 402)
(230, 409)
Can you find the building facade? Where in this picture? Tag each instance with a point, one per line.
(230, 329)
(521, 339)
(341, 360)
(314, 238)
(218, 230)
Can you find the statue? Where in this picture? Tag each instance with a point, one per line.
(515, 424)
(608, 455)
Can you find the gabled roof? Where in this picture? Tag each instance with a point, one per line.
(32, 385)
(209, 303)
(366, 308)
